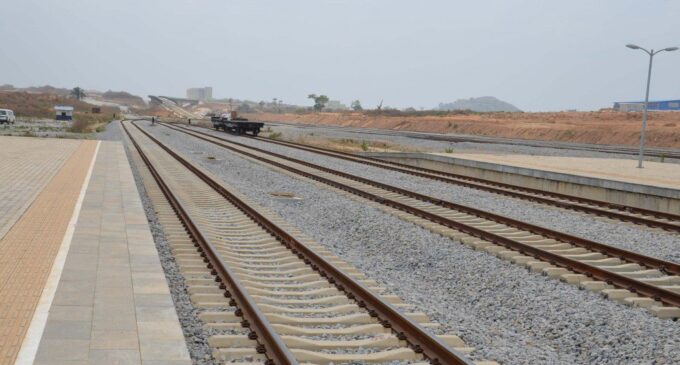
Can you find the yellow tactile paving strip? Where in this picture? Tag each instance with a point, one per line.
(26, 165)
(29, 248)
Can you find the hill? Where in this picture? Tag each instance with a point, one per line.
(481, 104)
(125, 98)
(35, 105)
(47, 89)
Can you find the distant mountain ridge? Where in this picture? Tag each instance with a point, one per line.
(119, 97)
(481, 104)
(47, 89)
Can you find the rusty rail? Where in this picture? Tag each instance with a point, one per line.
(262, 331)
(488, 185)
(515, 191)
(620, 281)
(666, 152)
(406, 329)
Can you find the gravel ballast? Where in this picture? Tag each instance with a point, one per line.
(294, 132)
(509, 314)
(651, 242)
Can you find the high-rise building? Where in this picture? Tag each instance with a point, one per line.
(200, 93)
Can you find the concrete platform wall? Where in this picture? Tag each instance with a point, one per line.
(637, 195)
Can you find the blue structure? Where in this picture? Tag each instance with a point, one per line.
(637, 106)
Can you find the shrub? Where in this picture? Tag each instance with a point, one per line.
(364, 145)
(80, 126)
(449, 150)
(275, 135)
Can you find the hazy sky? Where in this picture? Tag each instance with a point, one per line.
(538, 55)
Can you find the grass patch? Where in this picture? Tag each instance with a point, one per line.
(449, 150)
(276, 135)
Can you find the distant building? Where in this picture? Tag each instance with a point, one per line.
(638, 106)
(200, 93)
(63, 112)
(335, 105)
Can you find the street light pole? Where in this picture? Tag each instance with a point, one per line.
(651, 54)
(644, 112)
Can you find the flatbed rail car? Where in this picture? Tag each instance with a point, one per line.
(237, 125)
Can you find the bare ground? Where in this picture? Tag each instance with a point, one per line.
(604, 127)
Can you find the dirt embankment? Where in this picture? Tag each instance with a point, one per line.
(30, 105)
(604, 127)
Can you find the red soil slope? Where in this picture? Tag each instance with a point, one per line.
(605, 127)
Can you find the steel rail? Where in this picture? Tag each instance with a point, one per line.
(272, 345)
(630, 256)
(611, 278)
(406, 329)
(667, 152)
(505, 189)
(442, 176)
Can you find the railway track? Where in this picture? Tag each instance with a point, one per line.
(275, 296)
(619, 274)
(646, 217)
(604, 148)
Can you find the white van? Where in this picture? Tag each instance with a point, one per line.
(7, 116)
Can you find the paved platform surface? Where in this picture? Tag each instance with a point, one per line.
(29, 248)
(665, 175)
(112, 304)
(27, 165)
(80, 277)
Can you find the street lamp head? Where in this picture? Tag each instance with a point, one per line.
(670, 49)
(632, 46)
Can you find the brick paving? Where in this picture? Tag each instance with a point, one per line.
(112, 305)
(29, 247)
(27, 165)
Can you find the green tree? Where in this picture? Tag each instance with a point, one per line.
(319, 101)
(356, 105)
(78, 93)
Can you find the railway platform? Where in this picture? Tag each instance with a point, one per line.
(80, 277)
(617, 181)
(656, 174)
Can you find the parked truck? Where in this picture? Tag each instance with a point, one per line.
(231, 122)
